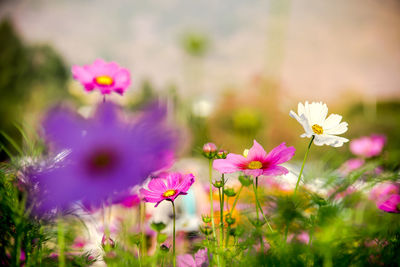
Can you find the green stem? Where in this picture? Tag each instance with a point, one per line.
(210, 161)
(173, 236)
(259, 205)
(236, 199)
(142, 211)
(61, 243)
(221, 206)
(302, 166)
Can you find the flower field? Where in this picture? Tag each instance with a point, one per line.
(96, 170)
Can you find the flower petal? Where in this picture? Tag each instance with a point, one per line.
(157, 185)
(232, 163)
(280, 154)
(256, 152)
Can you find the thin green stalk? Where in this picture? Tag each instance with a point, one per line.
(61, 243)
(173, 236)
(259, 205)
(142, 215)
(210, 161)
(211, 199)
(221, 206)
(302, 166)
(236, 199)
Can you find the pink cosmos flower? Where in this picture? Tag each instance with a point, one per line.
(106, 77)
(392, 204)
(380, 193)
(200, 259)
(167, 187)
(257, 162)
(351, 165)
(368, 146)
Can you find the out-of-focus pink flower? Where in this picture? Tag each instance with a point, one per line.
(200, 259)
(257, 162)
(350, 190)
(79, 243)
(392, 204)
(130, 201)
(386, 197)
(167, 188)
(382, 192)
(106, 77)
(368, 146)
(351, 165)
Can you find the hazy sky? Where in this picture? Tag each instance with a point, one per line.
(319, 48)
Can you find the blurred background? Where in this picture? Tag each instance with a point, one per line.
(229, 70)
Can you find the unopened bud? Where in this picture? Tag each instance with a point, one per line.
(209, 150)
(229, 192)
(206, 218)
(206, 230)
(107, 241)
(229, 219)
(218, 184)
(222, 154)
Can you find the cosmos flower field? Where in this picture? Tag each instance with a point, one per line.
(106, 189)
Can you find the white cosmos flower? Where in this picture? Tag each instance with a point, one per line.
(314, 121)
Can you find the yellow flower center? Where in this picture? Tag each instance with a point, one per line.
(317, 129)
(255, 165)
(169, 193)
(104, 80)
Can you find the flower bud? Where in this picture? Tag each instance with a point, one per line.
(206, 218)
(158, 226)
(218, 184)
(229, 219)
(206, 230)
(222, 154)
(245, 180)
(107, 241)
(209, 150)
(164, 248)
(229, 192)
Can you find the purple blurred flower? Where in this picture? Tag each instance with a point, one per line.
(257, 162)
(200, 259)
(368, 146)
(107, 156)
(386, 197)
(106, 77)
(168, 187)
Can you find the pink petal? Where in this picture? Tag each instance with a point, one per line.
(157, 185)
(81, 74)
(185, 260)
(232, 163)
(280, 154)
(122, 79)
(391, 205)
(275, 171)
(256, 152)
(254, 172)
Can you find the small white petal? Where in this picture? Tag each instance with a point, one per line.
(339, 129)
(332, 121)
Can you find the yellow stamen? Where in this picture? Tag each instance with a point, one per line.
(104, 80)
(169, 193)
(255, 165)
(317, 129)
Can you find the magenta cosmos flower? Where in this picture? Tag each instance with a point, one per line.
(392, 204)
(368, 146)
(257, 162)
(167, 187)
(107, 155)
(200, 259)
(106, 77)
